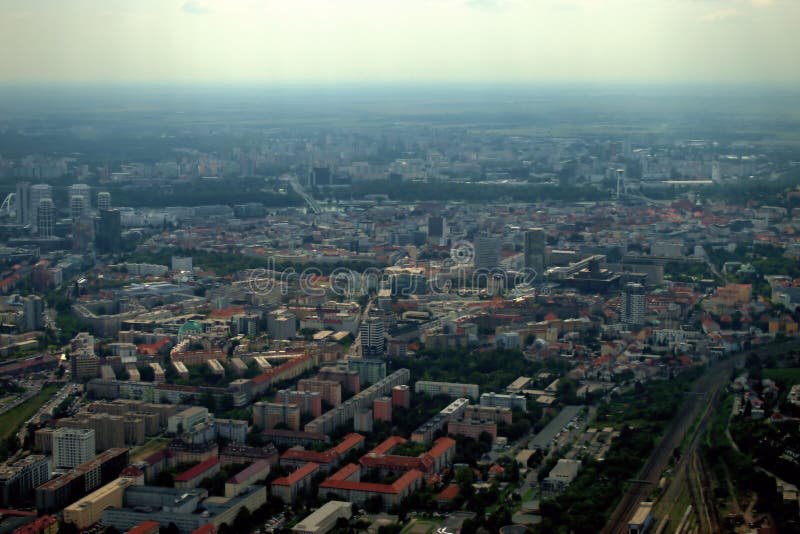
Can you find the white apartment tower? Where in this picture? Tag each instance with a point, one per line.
(36, 193)
(77, 207)
(103, 201)
(72, 446)
(81, 190)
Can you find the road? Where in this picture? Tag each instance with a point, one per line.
(701, 402)
(47, 409)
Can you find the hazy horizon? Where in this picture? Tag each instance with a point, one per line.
(748, 43)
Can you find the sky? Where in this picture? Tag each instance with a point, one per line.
(736, 42)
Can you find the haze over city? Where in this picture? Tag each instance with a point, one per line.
(749, 42)
(399, 267)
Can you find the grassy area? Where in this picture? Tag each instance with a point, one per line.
(421, 526)
(11, 420)
(789, 375)
(678, 510)
(528, 495)
(151, 446)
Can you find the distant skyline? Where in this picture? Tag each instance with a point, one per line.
(750, 42)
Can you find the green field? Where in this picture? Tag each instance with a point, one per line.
(789, 375)
(11, 420)
(421, 526)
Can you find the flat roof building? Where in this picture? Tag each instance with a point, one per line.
(324, 519)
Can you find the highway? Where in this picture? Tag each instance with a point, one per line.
(701, 401)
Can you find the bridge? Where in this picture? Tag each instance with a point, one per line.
(297, 188)
(9, 206)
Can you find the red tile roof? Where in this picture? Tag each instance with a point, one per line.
(197, 470)
(208, 528)
(344, 472)
(449, 493)
(278, 371)
(388, 444)
(297, 475)
(144, 527)
(36, 526)
(350, 441)
(398, 486)
(248, 472)
(441, 446)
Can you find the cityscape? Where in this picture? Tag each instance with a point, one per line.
(419, 308)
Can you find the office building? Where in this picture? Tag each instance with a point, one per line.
(372, 337)
(282, 326)
(45, 218)
(33, 313)
(437, 226)
(22, 201)
(325, 518)
(633, 304)
(534, 251)
(188, 510)
(561, 476)
(451, 389)
(186, 420)
(73, 446)
(108, 233)
(499, 400)
(487, 252)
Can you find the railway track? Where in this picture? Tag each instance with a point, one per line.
(704, 394)
(705, 388)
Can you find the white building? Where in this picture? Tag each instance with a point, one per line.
(103, 200)
(499, 400)
(77, 207)
(561, 475)
(72, 446)
(324, 519)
